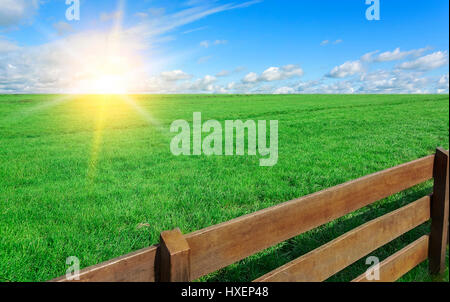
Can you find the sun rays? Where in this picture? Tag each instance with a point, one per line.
(97, 138)
(96, 61)
(108, 112)
(111, 65)
(19, 116)
(100, 68)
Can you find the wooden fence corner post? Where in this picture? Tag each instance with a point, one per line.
(439, 214)
(175, 253)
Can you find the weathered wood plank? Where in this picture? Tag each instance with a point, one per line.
(439, 213)
(397, 265)
(325, 261)
(174, 257)
(221, 245)
(138, 266)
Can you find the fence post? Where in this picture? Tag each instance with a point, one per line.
(439, 214)
(174, 260)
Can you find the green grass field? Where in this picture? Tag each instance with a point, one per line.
(94, 177)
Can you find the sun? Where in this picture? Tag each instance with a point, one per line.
(109, 84)
(106, 64)
(103, 82)
(99, 74)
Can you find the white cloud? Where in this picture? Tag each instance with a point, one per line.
(160, 84)
(274, 74)
(251, 77)
(247, 4)
(347, 69)
(163, 24)
(377, 82)
(284, 90)
(428, 62)
(308, 86)
(63, 28)
(315, 87)
(13, 12)
(394, 55)
(327, 42)
(271, 74)
(391, 56)
(395, 81)
(397, 54)
(443, 81)
(204, 44)
(277, 74)
(175, 75)
(321, 87)
(207, 44)
(231, 85)
(55, 67)
(220, 42)
(208, 79)
(443, 84)
(384, 81)
(368, 57)
(223, 73)
(204, 84)
(194, 30)
(342, 87)
(7, 46)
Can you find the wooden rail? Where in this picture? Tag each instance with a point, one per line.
(188, 257)
(333, 257)
(394, 267)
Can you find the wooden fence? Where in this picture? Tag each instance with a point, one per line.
(181, 257)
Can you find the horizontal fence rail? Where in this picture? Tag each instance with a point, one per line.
(188, 257)
(138, 266)
(394, 267)
(221, 245)
(327, 260)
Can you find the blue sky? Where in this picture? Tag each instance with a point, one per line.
(221, 46)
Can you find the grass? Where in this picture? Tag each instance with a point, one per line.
(94, 177)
